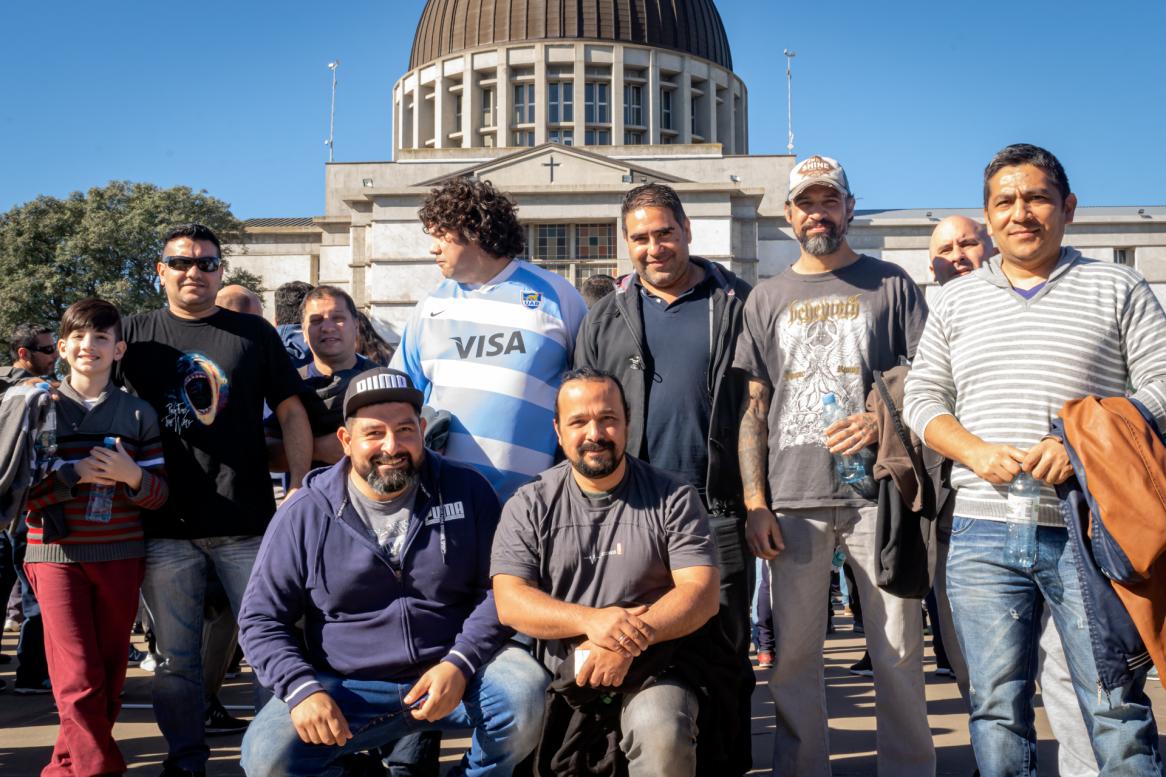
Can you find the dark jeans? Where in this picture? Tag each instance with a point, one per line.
(764, 638)
(33, 667)
(941, 661)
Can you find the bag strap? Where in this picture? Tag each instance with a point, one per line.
(900, 429)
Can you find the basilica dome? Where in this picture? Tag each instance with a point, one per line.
(689, 26)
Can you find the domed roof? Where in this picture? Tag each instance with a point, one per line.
(691, 26)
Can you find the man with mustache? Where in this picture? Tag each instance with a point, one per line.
(609, 556)
(384, 559)
(1005, 348)
(823, 327)
(207, 372)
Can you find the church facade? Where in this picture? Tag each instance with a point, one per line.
(566, 110)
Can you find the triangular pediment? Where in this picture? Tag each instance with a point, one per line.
(554, 165)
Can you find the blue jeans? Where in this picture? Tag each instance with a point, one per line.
(174, 591)
(503, 704)
(997, 611)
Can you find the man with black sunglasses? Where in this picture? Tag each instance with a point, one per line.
(207, 372)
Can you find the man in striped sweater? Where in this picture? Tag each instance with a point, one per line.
(1003, 349)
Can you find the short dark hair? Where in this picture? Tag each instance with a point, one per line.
(330, 292)
(91, 314)
(477, 212)
(289, 298)
(1027, 154)
(651, 195)
(596, 288)
(25, 337)
(591, 373)
(194, 232)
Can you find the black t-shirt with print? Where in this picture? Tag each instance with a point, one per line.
(208, 379)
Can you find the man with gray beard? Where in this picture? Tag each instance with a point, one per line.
(823, 327)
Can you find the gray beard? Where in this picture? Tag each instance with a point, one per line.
(396, 481)
(821, 245)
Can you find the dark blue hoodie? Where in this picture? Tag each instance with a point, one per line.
(319, 562)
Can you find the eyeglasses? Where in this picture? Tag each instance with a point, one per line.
(184, 263)
(47, 350)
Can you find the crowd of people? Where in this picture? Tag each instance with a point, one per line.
(538, 516)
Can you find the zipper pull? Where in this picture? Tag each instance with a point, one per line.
(636, 362)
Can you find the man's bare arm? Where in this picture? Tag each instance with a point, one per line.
(688, 606)
(753, 444)
(297, 438)
(995, 463)
(525, 608)
(761, 530)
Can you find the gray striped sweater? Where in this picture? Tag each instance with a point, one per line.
(1004, 366)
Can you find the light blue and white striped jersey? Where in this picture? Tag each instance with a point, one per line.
(493, 356)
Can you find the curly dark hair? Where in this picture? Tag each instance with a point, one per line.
(477, 212)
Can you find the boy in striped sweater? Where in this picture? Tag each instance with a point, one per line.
(86, 553)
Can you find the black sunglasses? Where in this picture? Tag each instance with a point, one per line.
(184, 263)
(45, 349)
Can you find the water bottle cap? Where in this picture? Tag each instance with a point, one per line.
(43, 386)
(110, 442)
(829, 399)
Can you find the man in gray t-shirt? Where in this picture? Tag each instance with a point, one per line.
(823, 327)
(606, 549)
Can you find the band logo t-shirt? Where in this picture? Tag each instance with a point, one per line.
(208, 379)
(810, 335)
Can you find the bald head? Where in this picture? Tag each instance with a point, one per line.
(239, 299)
(958, 246)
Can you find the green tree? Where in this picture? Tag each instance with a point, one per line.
(102, 243)
(248, 280)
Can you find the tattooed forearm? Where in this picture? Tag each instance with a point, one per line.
(753, 444)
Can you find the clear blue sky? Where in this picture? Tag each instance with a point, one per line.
(913, 97)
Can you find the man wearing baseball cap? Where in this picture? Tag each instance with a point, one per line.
(822, 328)
(385, 558)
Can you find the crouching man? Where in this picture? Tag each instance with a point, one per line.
(384, 557)
(609, 555)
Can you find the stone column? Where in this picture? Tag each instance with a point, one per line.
(439, 98)
(502, 99)
(540, 95)
(471, 103)
(617, 96)
(652, 103)
(683, 95)
(579, 93)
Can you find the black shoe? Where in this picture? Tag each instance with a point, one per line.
(3, 685)
(219, 722)
(136, 656)
(32, 689)
(863, 668)
(174, 771)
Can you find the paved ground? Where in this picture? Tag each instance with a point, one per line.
(28, 724)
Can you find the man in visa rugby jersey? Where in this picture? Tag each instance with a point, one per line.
(490, 343)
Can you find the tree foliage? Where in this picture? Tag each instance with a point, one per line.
(244, 278)
(101, 243)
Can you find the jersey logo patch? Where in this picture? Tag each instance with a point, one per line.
(497, 344)
(532, 299)
(453, 511)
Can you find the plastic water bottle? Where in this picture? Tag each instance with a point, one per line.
(100, 507)
(45, 444)
(1023, 506)
(851, 469)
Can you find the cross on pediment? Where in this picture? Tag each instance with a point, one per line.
(552, 164)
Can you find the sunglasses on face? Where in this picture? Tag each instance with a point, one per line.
(184, 263)
(47, 350)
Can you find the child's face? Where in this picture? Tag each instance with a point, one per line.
(91, 352)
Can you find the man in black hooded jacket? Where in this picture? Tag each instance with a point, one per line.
(667, 334)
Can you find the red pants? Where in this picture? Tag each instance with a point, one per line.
(88, 610)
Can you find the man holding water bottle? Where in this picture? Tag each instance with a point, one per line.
(1005, 347)
(813, 336)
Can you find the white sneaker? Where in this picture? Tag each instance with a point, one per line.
(11, 625)
(149, 663)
